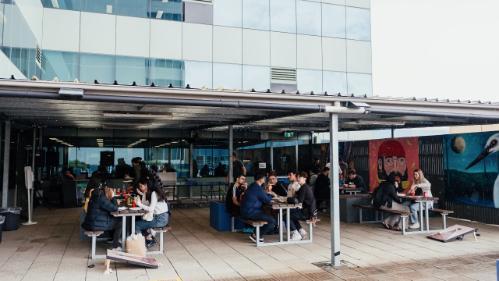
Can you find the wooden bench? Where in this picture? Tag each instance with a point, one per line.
(444, 214)
(367, 207)
(161, 231)
(403, 215)
(311, 223)
(94, 235)
(256, 225)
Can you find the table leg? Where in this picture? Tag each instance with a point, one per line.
(288, 219)
(133, 225)
(421, 225)
(280, 225)
(123, 232)
(427, 214)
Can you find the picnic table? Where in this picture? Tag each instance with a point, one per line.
(124, 213)
(281, 206)
(424, 207)
(350, 190)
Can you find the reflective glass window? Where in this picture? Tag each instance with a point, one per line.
(63, 65)
(256, 14)
(74, 5)
(283, 15)
(130, 69)
(308, 18)
(131, 8)
(227, 12)
(358, 24)
(256, 77)
(163, 72)
(334, 82)
(198, 74)
(98, 6)
(360, 84)
(198, 12)
(1, 22)
(309, 80)
(333, 21)
(227, 76)
(168, 10)
(96, 67)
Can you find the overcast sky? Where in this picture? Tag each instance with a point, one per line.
(436, 48)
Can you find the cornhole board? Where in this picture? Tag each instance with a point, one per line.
(455, 232)
(119, 256)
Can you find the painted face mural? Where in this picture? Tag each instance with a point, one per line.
(391, 158)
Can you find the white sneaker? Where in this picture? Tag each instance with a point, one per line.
(414, 226)
(296, 236)
(303, 233)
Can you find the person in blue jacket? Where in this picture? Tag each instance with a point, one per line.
(252, 206)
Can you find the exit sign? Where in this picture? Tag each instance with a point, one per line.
(289, 134)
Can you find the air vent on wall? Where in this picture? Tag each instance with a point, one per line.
(281, 74)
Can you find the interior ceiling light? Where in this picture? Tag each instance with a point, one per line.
(136, 142)
(137, 115)
(375, 123)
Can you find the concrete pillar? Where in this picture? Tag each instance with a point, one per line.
(6, 162)
(296, 156)
(271, 155)
(335, 190)
(191, 160)
(231, 150)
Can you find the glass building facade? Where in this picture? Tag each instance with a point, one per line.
(320, 45)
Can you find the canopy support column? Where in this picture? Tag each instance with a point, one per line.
(231, 150)
(335, 191)
(6, 162)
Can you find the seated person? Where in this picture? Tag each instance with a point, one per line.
(252, 206)
(322, 189)
(100, 207)
(154, 202)
(420, 186)
(355, 181)
(293, 184)
(305, 196)
(386, 196)
(275, 186)
(234, 196)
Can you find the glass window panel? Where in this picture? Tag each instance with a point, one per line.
(96, 67)
(129, 69)
(256, 14)
(309, 18)
(63, 65)
(198, 13)
(198, 74)
(74, 5)
(131, 8)
(360, 84)
(309, 80)
(333, 21)
(256, 77)
(335, 82)
(358, 24)
(98, 6)
(227, 76)
(164, 72)
(283, 15)
(167, 10)
(227, 12)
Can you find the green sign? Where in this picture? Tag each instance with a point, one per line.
(289, 134)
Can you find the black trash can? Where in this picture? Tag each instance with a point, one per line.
(12, 218)
(2, 221)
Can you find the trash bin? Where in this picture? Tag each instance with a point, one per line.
(12, 218)
(2, 221)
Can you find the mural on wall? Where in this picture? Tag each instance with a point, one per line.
(392, 155)
(472, 168)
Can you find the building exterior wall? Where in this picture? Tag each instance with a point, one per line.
(231, 44)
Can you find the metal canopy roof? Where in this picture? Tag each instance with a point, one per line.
(150, 108)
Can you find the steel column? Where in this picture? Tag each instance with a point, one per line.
(6, 162)
(231, 150)
(335, 189)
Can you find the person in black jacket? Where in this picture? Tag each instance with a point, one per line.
(99, 215)
(322, 189)
(386, 196)
(305, 196)
(273, 185)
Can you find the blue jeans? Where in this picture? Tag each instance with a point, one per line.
(261, 216)
(160, 220)
(414, 212)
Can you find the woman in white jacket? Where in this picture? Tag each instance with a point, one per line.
(154, 202)
(421, 186)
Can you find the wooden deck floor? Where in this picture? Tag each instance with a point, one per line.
(51, 250)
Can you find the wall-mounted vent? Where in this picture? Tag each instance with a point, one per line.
(283, 75)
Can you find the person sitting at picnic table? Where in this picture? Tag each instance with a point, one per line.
(100, 207)
(355, 181)
(305, 196)
(252, 206)
(386, 196)
(420, 186)
(153, 200)
(322, 189)
(293, 184)
(234, 196)
(276, 187)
